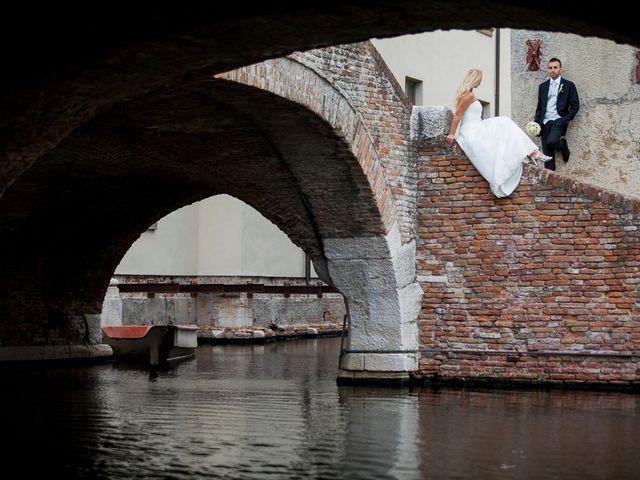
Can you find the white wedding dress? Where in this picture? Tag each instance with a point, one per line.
(497, 147)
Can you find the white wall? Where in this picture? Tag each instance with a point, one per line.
(170, 249)
(505, 72)
(440, 59)
(235, 239)
(217, 236)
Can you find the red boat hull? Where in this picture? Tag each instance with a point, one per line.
(156, 344)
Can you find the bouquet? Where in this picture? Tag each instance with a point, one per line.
(533, 129)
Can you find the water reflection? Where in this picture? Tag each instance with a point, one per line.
(381, 439)
(274, 411)
(519, 434)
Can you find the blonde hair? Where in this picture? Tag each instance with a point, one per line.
(468, 82)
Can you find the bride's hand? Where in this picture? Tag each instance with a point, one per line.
(450, 139)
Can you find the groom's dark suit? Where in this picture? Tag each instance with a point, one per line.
(553, 131)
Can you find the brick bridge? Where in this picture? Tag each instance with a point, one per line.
(442, 281)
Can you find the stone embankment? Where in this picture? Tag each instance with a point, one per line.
(213, 335)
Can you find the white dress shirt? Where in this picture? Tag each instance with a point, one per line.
(552, 112)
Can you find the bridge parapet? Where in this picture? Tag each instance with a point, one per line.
(542, 287)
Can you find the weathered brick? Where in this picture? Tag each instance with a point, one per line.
(541, 271)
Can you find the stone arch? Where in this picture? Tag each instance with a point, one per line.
(69, 77)
(310, 168)
(376, 274)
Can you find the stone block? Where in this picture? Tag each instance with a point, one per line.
(352, 361)
(404, 264)
(430, 122)
(391, 362)
(111, 314)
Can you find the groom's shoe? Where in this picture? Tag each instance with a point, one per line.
(565, 150)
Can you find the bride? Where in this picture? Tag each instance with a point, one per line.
(497, 147)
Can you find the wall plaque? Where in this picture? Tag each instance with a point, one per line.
(534, 52)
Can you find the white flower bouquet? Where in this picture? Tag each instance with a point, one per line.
(533, 129)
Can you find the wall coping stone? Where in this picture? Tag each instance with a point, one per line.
(430, 122)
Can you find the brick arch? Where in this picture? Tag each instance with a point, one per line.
(315, 176)
(375, 273)
(329, 104)
(69, 76)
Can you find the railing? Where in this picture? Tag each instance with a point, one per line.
(249, 289)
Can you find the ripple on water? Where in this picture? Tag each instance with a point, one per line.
(274, 411)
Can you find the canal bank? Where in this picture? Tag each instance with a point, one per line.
(224, 336)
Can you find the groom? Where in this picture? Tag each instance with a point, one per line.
(557, 105)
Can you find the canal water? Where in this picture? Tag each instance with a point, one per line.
(274, 412)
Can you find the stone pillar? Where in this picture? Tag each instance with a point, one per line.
(112, 306)
(87, 343)
(377, 278)
(88, 347)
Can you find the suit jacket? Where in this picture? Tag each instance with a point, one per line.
(567, 103)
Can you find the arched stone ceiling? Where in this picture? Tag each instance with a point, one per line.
(68, 221)
(77, 81)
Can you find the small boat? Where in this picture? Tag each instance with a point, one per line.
(156, 344)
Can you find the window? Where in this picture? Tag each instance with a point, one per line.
(486, 109)
(413, 90)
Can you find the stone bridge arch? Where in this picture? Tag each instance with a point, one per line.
(376, 274)
(277, 135)
(71, 82)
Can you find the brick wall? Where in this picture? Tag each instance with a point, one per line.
(331, 157)
(358, 72)
(540, 287)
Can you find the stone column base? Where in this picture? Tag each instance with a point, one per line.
(377, 368)
(387, 379)
(380, 362)
(55, 353)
